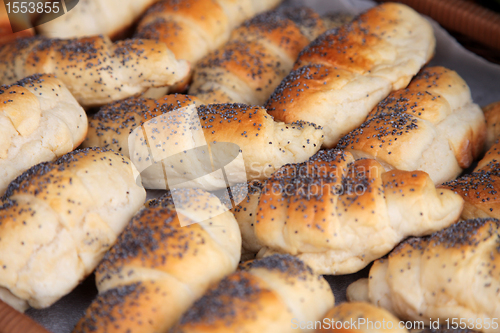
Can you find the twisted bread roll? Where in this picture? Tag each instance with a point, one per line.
(158, 269)
(57, 223)
(259, 54)
(177, 125)
(360, 317)
(481, 188)
(95, 70)
(267, 295)
(451, 274)
(492, 115)
(39, 121)
(95, 17)
(432, 126)
(338, 215)
(345, 72)
(193, 28)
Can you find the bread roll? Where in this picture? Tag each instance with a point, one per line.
(259, 54)
(193, 28)
(178, 128)
(158, 268)
(492, 115)
(57, 223)
(481, 188)
(95, 17)
(451, 274)
(266, 296)
(338, 215)
(39, 121)
(360, 317)
(95, 70)
(432, 126)
(344, 73)
(336, 20)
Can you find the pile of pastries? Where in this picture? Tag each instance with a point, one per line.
(334, 145)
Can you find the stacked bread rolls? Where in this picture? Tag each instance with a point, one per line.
(57, 223)
(432, 126)
(344, 73)
(95, 70)
(158, 268)
(337, 214)
(492, 115)
(452, 274)
(39, 121)
(259, 54)
(266, 295)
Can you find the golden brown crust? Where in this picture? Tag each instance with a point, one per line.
(95, 70)
(264, 296)
(259, 54)
(158, 268)
(492, 115)
(432, 125)
(338, 215)
(352, 68)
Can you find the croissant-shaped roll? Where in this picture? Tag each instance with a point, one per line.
(338, 215)
(432, 126)
(449, 276)
(94, 70)
(344, 73)
(177, 127)
(110, 18)
(267, 296)
(481, 188)
(360, 317)
(57, 222)
(39, 121)
(193, 28)
(158, 267)
(259, 54)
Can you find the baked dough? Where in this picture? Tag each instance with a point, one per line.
(266, 296)
(360, 317)
(95, 70)
(158, 268)
(451, 274)
(95, 17)
(259, 54)
(432, 126)
(338, 215)
(193, 28)
(39, 121)
(481, 188)
(181, 133)
(344, 73)
(492, 115)
(57, 223)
